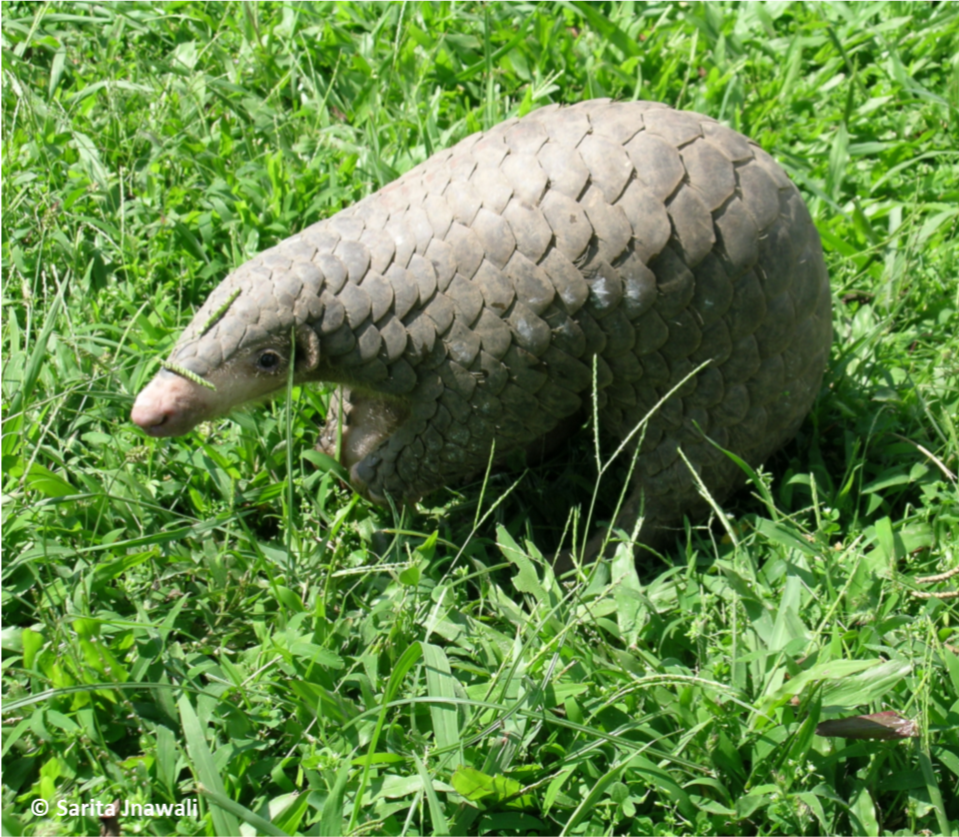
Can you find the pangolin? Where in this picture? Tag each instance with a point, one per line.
(620, 251)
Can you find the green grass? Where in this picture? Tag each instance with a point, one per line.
(175, 627)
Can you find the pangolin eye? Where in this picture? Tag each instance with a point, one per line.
(268, 361)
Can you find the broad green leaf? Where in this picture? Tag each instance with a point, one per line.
(441, 685)
(201, 759)
(437, 815)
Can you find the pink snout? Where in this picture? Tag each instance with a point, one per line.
(170, 405)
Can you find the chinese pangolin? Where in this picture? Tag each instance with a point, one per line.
(479, 299)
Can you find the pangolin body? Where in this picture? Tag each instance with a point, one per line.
(471, 303)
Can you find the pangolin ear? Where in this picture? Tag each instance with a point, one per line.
(307, 349)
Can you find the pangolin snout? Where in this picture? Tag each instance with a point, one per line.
(169, 406)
